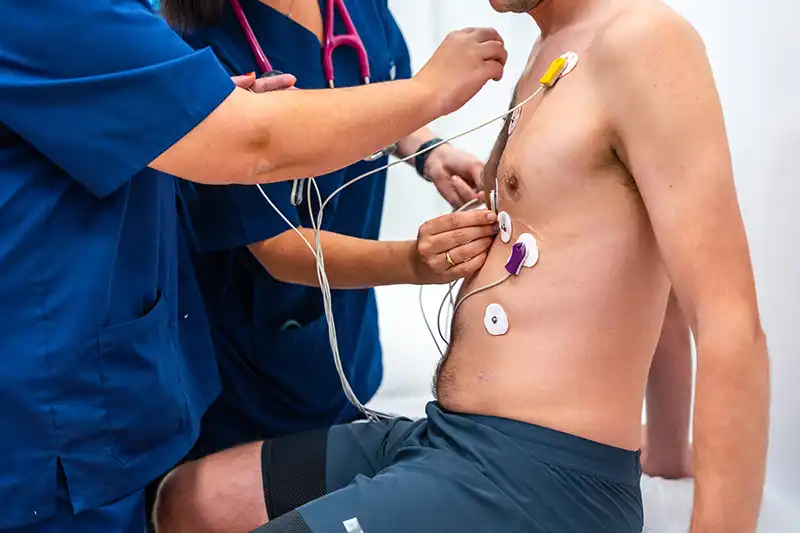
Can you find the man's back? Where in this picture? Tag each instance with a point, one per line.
(584, 322)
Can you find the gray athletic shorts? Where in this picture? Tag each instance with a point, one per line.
(449, 473)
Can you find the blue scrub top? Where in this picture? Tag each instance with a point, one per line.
(92, 374)
(279, 379)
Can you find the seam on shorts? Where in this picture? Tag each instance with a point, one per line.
(586, 473)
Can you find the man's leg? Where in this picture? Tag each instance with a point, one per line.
(669, 400)
(429, 493)
(240, 489)
(124, 516)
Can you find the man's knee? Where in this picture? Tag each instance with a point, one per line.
(222, 493)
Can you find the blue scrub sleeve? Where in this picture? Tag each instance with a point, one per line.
(102, 87)
(223, 218)
(400, 53)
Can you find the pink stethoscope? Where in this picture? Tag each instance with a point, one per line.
(330, 43)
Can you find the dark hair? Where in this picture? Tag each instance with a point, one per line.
(190, 14)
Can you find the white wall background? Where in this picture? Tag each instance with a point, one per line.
(755, 52)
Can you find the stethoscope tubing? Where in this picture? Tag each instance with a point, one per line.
(329, 44)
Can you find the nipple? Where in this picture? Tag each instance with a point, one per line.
(495, 320)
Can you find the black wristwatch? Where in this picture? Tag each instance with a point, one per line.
(419, 161)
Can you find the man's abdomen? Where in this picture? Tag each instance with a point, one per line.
(583, 325)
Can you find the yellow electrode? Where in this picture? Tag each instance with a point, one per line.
(554, 72)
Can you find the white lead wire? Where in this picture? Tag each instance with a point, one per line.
(320, 260)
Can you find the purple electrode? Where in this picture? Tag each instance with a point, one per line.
(515, 262)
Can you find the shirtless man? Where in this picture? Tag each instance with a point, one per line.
(622, 172)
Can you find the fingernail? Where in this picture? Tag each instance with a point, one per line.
(491, 216)
(251, 74)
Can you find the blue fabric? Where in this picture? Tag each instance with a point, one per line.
(455, 473)
(91, 370)
(126, 515)
(283, 381)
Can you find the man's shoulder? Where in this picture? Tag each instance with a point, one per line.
(648, 30)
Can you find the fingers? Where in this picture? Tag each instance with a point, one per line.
(494, 51)
(246, 81)
(438, 244)
(463, 191)
(485, 34)
(495, 57)
(462, 254)
(273, 83)
(451, 195)
(453, 221)
(468, 267)
(263, 85)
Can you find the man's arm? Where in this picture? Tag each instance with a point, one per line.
(670, 133)
(669, 400)
(261, 138)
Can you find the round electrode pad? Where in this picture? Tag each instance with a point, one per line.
(531, 248)
(572, 61)
(514, 120)
(504, 221)
(495, 320)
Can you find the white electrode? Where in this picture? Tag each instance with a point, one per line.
(495, 320)
(504, 221)
(531, 249)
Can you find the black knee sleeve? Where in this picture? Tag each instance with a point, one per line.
(290, 522)
(293, 472)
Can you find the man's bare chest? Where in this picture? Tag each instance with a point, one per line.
(558, 144)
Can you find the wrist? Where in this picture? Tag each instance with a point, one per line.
(424, 162)
(403, 263)
(425, 97)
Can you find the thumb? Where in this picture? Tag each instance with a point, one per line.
(273, 83)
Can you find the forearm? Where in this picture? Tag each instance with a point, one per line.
(277, 136)
(350, 263)
(730, 433)
(669, 398)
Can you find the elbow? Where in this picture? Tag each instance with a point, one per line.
(732, 331)
(255, 160)
(272, 254)
(269, 161)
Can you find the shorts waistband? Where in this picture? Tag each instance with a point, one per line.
(555, 447)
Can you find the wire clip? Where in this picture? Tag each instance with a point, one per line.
(518, 255)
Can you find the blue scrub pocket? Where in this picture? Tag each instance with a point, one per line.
(299, 363)
(144, 394)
